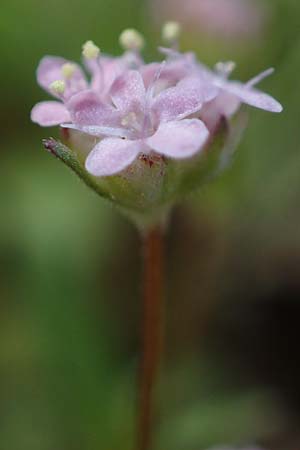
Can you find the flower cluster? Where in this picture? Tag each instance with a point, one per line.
(131, 111)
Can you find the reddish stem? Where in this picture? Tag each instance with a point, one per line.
(152, 333)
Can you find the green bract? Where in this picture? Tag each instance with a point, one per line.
(152, 184)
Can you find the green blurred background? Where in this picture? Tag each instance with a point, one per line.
(70, 264)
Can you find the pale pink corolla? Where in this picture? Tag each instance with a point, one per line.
(104, 70)
(234, 93)
(168, 108)
(140, 122)
(231, 94)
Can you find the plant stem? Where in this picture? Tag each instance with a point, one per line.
(152, 332)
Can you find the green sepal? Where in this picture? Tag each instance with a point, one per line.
(147, 190)
(68, 157)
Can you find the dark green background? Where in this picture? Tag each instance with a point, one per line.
(70, 264)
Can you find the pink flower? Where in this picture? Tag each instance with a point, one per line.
(104, 71)
(139, 122)
(50, 70)
(231, 94)
(130, 109)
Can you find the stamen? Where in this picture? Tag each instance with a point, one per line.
(225, 69)
(260, 77)
(90, 50)
(58, 87)
(171, 32)
(68, 70)
(151, 88)
(131, 39)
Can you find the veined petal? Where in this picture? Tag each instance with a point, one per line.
(181, 101)
(111, 156)
(86, 108)
(179, 139)
(253, 97)
(128, 92)
(50, 69)
(48, 114)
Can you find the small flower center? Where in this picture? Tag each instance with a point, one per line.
(131, 120)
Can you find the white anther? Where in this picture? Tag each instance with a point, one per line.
(68, 70)
(58, 87)
(90, 50)
(171, 31)
(131, 39)
(225, 68)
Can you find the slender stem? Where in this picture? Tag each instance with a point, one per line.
(152, 333)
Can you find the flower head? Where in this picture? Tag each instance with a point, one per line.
(159, 126)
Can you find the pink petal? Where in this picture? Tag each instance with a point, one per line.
(50, 69)
(223, 105)
(86, 108)
(128, 92)
(95, 130)
(181, 101)
(111, 156)
(204, 87)
(179, 139)
(170, 75)
(253, 97)
(48, 114)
